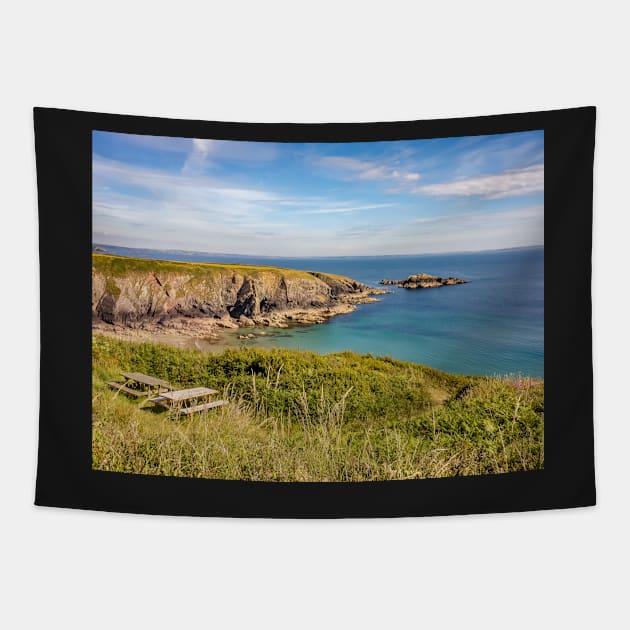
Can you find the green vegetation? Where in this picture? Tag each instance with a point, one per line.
(117, 266)
(300, 416)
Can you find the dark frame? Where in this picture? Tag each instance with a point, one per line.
(63, 143)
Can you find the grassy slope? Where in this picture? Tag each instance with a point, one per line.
(303, 416)
(116, 266)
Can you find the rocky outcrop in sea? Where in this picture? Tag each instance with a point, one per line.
(424, 281)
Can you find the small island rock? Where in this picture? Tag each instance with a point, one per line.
(424, 281)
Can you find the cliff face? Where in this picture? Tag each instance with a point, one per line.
(132, 292)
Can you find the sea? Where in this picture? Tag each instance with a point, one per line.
(493, 325)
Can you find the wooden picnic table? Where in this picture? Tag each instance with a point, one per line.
(151, 384)
(145, 379)
(178, 400)
(180, 395)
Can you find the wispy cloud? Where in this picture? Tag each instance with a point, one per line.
(206, 210)
(188, 188)
(367, 170)
(316, 199)
(512, 183)
(487, 218)
(196, 160)
(345, 209)
(518, 227)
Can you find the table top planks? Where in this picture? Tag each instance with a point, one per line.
(146, 380)
(187, 394)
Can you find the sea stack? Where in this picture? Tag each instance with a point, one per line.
(424, 281)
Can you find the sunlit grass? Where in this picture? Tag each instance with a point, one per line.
(296, 416)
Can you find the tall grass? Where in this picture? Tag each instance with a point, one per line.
(302, 417)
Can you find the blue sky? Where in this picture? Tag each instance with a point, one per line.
(319, 199)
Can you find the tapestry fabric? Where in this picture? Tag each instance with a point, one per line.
(315, 320)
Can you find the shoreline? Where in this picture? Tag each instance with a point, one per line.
(215, 335)
(229, 340)
(215, 342)
(143, 301)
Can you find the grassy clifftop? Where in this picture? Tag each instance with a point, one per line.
(295, 416)
(120, 266)
(134, 291)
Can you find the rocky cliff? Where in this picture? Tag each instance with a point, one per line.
(135, 292)
(424, 281)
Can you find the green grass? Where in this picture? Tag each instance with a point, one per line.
(300, 416)
(118, 266)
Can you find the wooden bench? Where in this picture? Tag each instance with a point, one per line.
(121, 387)
(176, 400)
(149, 385)
(211, 405)
(160, 400)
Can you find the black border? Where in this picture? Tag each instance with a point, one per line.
(64, 474)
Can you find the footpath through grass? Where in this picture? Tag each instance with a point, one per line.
(300, 416)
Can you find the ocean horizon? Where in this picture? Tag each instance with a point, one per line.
(493, 325)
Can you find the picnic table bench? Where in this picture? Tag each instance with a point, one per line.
(151, 385)
(179, 400)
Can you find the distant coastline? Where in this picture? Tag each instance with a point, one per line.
(134, 252)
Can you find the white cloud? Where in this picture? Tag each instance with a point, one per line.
(196, 160)
(406, 177)
(345, 209)
(187, 188)
(512, 183)
(205, 152)
(203, 145)
(137, 205)
(487, 218)
(365, 170)
(344, 163)
(519, 227)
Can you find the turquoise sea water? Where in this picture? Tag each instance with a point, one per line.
(492, 325)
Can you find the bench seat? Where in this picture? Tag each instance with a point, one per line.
(211, 405)
(160, 400)
(122, 388)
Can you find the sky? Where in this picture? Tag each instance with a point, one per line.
(318, 199)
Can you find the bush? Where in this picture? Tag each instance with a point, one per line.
(303, 416)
